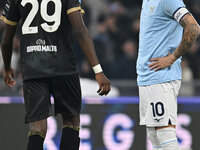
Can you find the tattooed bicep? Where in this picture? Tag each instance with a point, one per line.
(191, 33)
(188, 20)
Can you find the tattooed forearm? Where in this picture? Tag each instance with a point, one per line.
(191, 33)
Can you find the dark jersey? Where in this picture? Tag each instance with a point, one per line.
(46, 41)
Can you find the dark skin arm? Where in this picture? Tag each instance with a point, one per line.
(6, 48)
(87, 46)
(191, 33)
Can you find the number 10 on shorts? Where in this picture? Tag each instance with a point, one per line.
(158, 109)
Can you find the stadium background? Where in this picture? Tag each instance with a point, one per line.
(107, 123)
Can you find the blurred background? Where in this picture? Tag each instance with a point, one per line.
(114, 25)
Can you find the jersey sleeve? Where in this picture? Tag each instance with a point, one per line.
(175, 9)
(74, 5)
(10, 14)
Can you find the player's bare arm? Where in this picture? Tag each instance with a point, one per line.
(87, 46)
(191, 33)
(6, 48)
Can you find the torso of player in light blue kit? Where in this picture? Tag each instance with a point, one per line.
(160, 34)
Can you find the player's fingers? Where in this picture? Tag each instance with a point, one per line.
(8, 83)
(6, 80)
(158, 68)
(12, 74)
(12, 82)
(100, 88)
(152, 64)
(154, 59)
(102, 91)
(106, 89)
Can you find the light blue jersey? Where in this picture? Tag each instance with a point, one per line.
(160, 33)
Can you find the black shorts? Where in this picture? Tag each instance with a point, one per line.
(66, 92)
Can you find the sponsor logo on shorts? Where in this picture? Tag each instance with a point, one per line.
(158, 120)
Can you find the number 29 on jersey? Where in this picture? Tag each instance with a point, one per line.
(55, 17)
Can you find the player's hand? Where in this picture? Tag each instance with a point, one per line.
(8, 78)
(104, 84)
(161, 63)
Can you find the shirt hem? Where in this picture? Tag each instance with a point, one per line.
(156, 82)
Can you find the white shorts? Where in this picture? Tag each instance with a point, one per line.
(158, 104)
